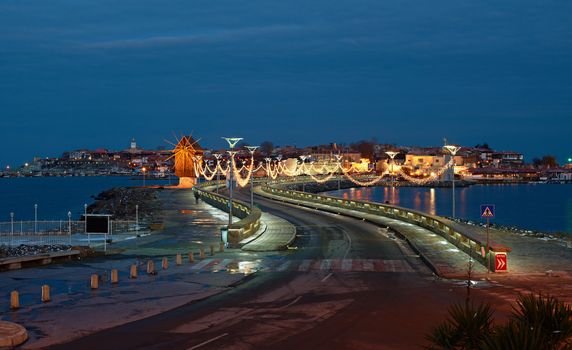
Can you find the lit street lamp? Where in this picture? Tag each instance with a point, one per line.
(232, 141)
(217, 156)
(453, 150)
(252, 149)
(143, 170)
(392, 156)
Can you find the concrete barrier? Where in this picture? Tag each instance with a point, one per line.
(46, 293)
(133, 271)
(94, 281)
(114, 276)
(250, 217)
(14, 300)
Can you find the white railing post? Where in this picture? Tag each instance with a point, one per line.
(11, 227)
(69, 226)
(35, 218)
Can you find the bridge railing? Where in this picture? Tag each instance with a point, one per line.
(249, 218)
(462, 237)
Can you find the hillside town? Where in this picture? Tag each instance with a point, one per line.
(479, 163)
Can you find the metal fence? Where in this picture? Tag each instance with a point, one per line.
(65, 232)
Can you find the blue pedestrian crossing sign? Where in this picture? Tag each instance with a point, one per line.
(487, 211)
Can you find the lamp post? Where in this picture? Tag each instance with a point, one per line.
(232, 141)
(217, 156)
(137, 220)
(11, 226)
(143, 170)
(252, 149)
(453, 150)
(303, 158)
(35, 218)
(392, 156)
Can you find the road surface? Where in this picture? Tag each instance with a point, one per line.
(349, 284)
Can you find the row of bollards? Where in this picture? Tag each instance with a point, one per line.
(94, 279)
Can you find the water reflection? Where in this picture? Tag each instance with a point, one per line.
(544, 207)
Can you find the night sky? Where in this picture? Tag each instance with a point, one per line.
(78, 73)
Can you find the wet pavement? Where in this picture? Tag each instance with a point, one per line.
(75, 309)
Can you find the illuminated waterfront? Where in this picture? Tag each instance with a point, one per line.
(541, 207)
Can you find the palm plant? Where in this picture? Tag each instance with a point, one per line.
(537, 322)
(547, 316)
(467, 327)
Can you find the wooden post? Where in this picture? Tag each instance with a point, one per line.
(94, 281)
(221, 247)
(202, 253)
(150, 267)
(165, 264)
(179, 259)
(133, 271)
(45, 293)
(114, 276)
(14, 300)
(191, 257)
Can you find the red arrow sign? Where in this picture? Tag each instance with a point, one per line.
(501, 262)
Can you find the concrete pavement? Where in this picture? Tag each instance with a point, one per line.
(276, 234)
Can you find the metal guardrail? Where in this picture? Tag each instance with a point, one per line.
(250, 218)
(55, 232)
(461, 237)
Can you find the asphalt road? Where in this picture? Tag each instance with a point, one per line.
(388, 308)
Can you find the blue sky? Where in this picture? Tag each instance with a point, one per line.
(78, 73)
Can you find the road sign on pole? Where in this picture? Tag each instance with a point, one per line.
(500, 262)
(487, 211)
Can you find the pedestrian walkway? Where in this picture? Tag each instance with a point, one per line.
(442, 256)
(273, 265)
(275, 234)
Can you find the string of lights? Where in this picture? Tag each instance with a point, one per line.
(320, 174)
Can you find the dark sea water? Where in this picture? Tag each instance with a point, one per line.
(56, 196)
(540, 207)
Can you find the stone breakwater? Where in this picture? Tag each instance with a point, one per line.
(27, 250)
(121, 203)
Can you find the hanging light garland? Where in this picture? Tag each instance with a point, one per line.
(320, 174)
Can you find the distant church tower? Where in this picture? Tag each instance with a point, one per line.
(133, 144)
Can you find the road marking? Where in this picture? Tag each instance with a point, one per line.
(305, 265)
(201, 264)
(222, 265)
(325, 265)
(347, 265)
(284, 266)
(328, 276)
(292, 302)
(208, 341)
(367, 265)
